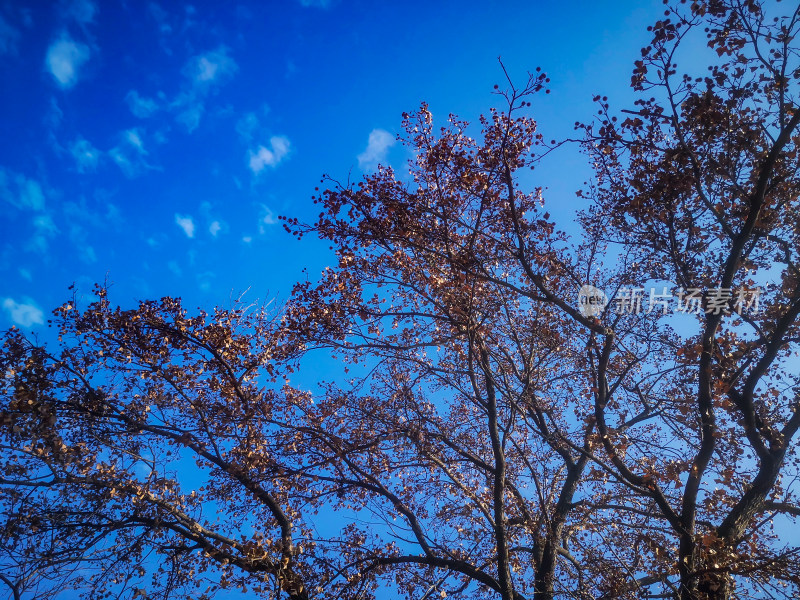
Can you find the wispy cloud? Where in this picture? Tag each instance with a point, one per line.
(27, 195)
(175, 268)
(65, 57)
(140, 107)
(130, 153)
(107, 216)
(83, 217)
(214, 67)
(265, 219)
(205, 280)
(80, 11)
(186, 223)
(21, 192)
(44, 224)
(53, 115)
(44, 229)
(378, 146)
(25, 313)
(249, 125)
(214, 224)
(80, 240)
(190, 116)
(134, 139)
(86, 156)
(269, 157)
(9, 37)
(172, 17)
(161, 17)
(203, 73)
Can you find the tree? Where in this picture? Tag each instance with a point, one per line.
(701, 181)
(697, 187)
(493, 440)
(95, 437)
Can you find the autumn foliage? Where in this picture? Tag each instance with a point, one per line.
(486, 438)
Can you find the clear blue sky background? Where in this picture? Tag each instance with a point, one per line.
(155, 144)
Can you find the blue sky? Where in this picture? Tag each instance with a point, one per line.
(155, 144)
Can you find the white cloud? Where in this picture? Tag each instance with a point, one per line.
(25, 274)
(37, 243)
(247, 239)
(134, 139)
(160, 16)
(45, 229)
(206, 69)
(250, 126)
(203, 73)
(80, 240)
(205, 280)
(31, 195)
(175, 268)
(86, 156)
(269, 218)
(81, 211)
(21, 192)
(247, 125)
(65, 57)
(186, 223)
(24, 313)
(123, 162)
(215, 226)
(266, 219)
(53, 115)
(213, 67)
(140, 107)
(264, 157)
(377, 147)
(190, 117)
(160, 136)
(129, 154)
(44, 225)
(82, 11)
